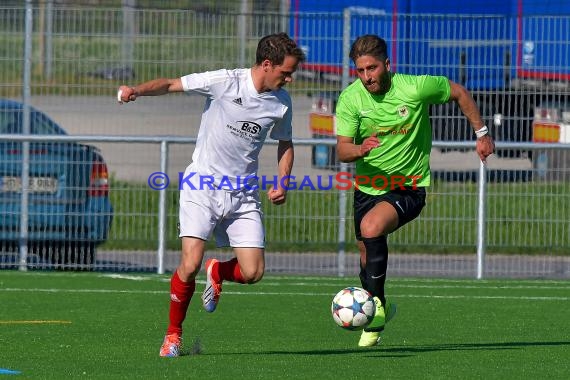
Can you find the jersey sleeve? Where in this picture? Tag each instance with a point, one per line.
(283, 129)
(434, 89)
(209, 83)
(347, 120)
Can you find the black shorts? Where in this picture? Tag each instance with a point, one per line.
(408, 203)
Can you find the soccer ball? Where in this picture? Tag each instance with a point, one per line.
(353, 308)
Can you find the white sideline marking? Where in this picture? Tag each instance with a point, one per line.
(413, 280)
(127, 277)
(33, 322)
(310, 294)
(273, 280)
(395, 283)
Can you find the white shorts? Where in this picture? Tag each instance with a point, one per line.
(235, 218)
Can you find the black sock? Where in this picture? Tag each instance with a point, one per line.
(376, 265)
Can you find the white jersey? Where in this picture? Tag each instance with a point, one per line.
(235, 122)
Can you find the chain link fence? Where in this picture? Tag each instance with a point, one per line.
(81, 54)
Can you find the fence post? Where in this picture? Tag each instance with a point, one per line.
(481, 219)
(341, 253)
(342, 227)
(127, 38)
(162, 209)
(24, 201)
(284, 15)
(48, 36)
(242, 31)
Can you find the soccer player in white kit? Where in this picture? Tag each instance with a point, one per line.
(219, 191)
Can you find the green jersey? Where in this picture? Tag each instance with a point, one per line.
(400, 119)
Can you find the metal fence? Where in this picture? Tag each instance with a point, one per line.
(513, 224)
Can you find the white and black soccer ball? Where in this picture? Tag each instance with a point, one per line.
(353, 308)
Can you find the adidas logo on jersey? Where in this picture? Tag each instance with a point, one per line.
(237, 101)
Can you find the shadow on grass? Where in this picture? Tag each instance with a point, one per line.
(401, 351)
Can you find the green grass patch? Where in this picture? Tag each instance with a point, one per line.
(97, 326)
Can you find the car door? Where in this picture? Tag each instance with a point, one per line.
(58, 180)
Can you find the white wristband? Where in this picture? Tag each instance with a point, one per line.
(482, 131)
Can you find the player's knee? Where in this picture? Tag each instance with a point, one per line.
(374, 228)
(252, 276)
(188, 270)
(370, 230)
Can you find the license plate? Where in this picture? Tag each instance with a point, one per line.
(36, 185)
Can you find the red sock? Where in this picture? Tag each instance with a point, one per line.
(180, 295)
(229, 270)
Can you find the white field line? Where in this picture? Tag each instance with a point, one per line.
(415, 280)
(395, 283)
(309, 294)
(35, 322)
(274, 280)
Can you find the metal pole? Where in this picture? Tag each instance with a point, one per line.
(162, 210)
(284, 15)
(342, 201)
(128, 33)
(346, 48)
(342, 227)
(41, 36)
(481, 219)
(25, 176)
(48, 68)
(242, 24)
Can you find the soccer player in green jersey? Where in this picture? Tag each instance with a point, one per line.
(383, 125)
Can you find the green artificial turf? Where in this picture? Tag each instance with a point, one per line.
(57, 325)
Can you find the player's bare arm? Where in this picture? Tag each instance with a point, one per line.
(485, 145)
(160, 86)
(348, 151)
(285, 157)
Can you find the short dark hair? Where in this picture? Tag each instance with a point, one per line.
(369, 44)
(275, 47)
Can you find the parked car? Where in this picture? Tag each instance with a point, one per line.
(69, 211)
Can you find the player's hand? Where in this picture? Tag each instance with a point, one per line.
(485, 146)
(277, 196)
(125, 94)
(368, 144)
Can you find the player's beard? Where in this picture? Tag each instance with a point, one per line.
(385, 82)
(380, 86)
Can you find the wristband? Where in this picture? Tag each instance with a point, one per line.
(482, 131)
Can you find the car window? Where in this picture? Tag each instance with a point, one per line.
(41, 125)
(8, 122)
(11, 123)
